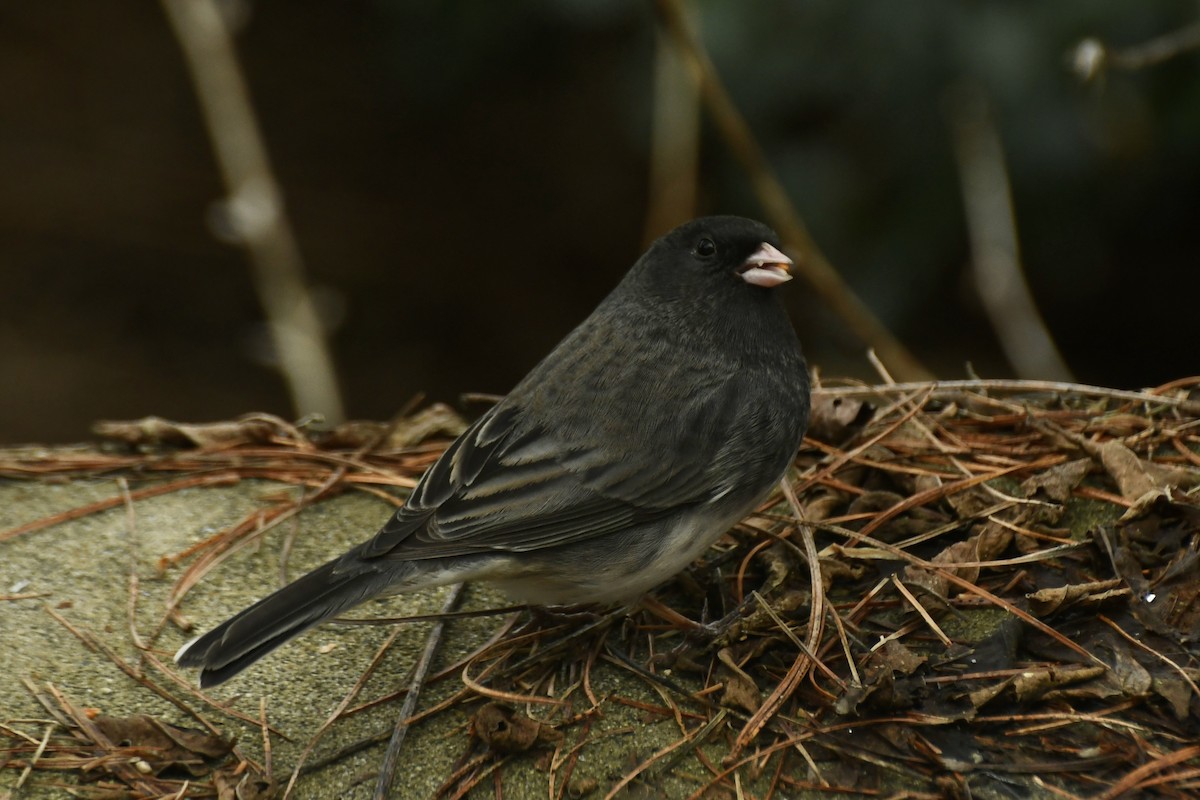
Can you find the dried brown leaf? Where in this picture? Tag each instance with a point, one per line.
(833, 419)
(932, 583)
(780, 566)
(156, 431)
(759, 619)
(990, 540)
(839, 571)
(970, 502)
(1047, 601)
(741, 692)
(1158, 557)
(822, 504)
(1140, 481)
(506, 730)
(985, 694)
(1029, 686)
(912, 522)
(233, 783)
(163, 746)
(1058, 482)
(437, 419)
(888, 680)
(1175, 690)
(1130, 676)
(897, 657)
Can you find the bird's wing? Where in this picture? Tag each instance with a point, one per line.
(507, 485)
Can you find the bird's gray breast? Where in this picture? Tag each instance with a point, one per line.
(618, 567)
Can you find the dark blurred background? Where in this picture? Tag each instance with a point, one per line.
(467, 179)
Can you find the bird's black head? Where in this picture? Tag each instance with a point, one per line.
(715, 254)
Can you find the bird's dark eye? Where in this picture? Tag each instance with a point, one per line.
(705, 247)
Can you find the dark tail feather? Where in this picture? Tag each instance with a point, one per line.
(246, 637)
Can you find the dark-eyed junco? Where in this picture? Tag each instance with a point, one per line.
(653, 427)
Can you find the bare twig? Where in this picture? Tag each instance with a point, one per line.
(778, 208)
(387, 769)
(41, 748)
(1091, 58)
(1136, 777)
(116, 500)
(996, 258)
(816, 630)
(337, 713)
(920, 609)
(675, 140)
(255, 206)
(689, 742)
(790, 634)
(268, 760)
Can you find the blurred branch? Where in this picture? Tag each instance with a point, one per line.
(779, 210)
(675, 140)
(1091, 58)
(996, 258)
(255, 206)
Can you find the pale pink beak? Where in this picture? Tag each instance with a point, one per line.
(766, 267)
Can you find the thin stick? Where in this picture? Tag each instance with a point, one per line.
(387, 770)
(134, 581)
(841, 628)
(37, 754)
(879, 366)
(765, 606)
(995, 252)
(1134, 778)
(816, 628)
(674, 141)
(268, 761)
(1091, 57)
(920, 609)
(98, 646)
(777, 206)
(942, 388)
(255, 206)
(690, 740)
(210, 479)
(380, 652)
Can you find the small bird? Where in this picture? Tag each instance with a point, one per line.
(650, 430)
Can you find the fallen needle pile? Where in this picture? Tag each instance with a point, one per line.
(1007, 606)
